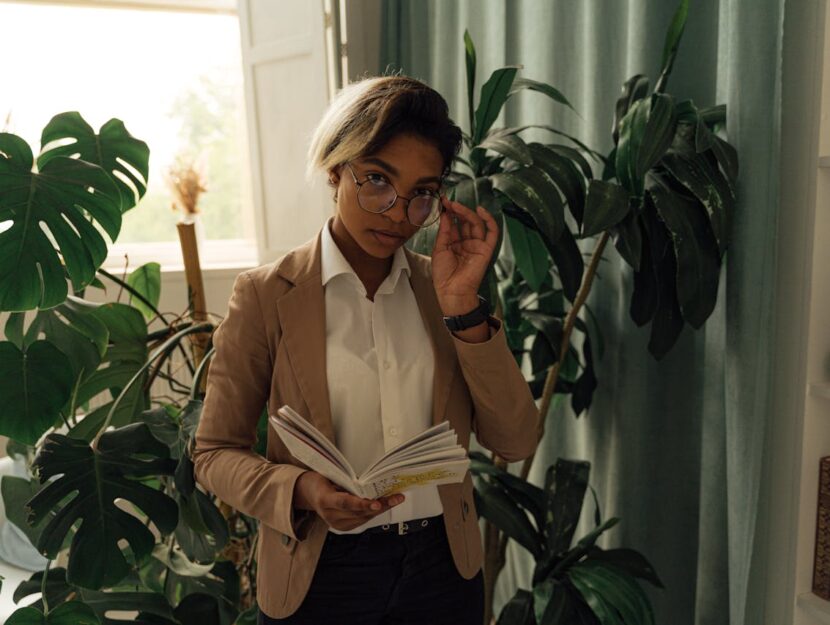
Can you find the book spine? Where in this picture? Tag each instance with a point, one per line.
(821, 562)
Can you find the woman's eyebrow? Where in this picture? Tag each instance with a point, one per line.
(392, 170)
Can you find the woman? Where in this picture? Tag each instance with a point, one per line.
(372, 343)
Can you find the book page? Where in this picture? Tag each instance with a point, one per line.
(422, 475)
(442, 455)
(447, 440)
(433, 431)
(297, 420)
(306, 451)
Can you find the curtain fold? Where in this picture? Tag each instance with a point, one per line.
(675, 446)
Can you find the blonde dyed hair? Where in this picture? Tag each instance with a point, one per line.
(366, 114)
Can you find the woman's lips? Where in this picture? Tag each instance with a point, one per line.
(386, 239)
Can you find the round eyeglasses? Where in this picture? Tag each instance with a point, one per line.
(377, 195)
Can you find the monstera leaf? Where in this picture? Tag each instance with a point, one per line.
(34, 385)
(69, 613)
(52, 219)
(153, 607)
(96, 478)
(126, 354)
(64, 198)
(114, 149)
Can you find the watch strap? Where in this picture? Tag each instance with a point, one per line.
(470, 319)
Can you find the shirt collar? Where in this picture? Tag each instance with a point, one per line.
(333, 263)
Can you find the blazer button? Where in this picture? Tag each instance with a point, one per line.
(286, 539)
(466, 507)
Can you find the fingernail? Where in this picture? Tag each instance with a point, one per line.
(375, 505)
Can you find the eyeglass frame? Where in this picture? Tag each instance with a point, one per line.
(397, 195)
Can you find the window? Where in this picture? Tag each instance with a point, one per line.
(172, 72)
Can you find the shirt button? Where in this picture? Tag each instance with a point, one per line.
(386, 364)
(393, 431)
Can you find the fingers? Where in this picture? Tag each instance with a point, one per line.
(492, 227)
(473, 224)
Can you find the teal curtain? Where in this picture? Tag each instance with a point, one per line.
(676, 446)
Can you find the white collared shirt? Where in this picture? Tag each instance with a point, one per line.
(379, 365)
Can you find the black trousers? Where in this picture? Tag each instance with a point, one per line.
(388, 579)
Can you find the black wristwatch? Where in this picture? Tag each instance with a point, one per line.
(470, 319)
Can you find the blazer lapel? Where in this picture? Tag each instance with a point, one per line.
(302, 314)
(303, 320)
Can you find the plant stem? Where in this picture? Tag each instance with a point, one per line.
(43, 588)
(495, 550)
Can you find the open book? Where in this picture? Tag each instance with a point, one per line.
(430, 457)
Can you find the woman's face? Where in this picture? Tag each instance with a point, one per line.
(411, 165)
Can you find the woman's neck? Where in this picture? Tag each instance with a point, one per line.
(371, 270)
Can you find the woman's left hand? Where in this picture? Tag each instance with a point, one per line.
(460, 260)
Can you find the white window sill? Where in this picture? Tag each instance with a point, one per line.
(217, 256)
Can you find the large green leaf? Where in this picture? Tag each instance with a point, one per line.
(632, 562)
(73, 331)
(668, 318)
(559, 165)
(509, 145)
(153, 608)
(69, 613)
(658, 133)
(619, 593)
(34, 385)
(527, 495)
(628, 239)
(532, 259)
(550, 602)
(126, 354)
(606, 206)
(519, 610)
(97, 478)
(569, 264)
(635, 88)
(532, 190)
(708, 185)
(671, 44)
(16, 492)
(644, 296)
(147, 281)
(698, 262)
(521, 84)
(470, 63)
(565, 485)
(493, 95)
(565, 252)
(125, 158)
(586, 383)
(632, 132)
(495, 505)
(64, 197)
(646, 132)
(202, 531)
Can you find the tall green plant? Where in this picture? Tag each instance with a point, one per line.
(572, 583)
(664, 195)
(112, 490)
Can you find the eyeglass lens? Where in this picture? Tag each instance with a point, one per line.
(377, 196)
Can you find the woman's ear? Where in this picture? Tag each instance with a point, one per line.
(334, 181)
(334, 176)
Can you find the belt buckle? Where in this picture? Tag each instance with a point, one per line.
(402, 528)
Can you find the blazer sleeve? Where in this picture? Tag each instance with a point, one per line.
(237, 390)
(504, 411)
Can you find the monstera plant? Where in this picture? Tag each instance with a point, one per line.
(111, 497)
(664, 195)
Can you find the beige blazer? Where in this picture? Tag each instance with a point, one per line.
(270, 348)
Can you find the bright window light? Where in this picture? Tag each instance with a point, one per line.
(173, 77)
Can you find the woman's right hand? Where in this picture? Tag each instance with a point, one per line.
(340, 509)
